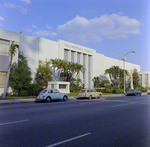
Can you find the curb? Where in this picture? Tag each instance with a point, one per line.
(31, 100)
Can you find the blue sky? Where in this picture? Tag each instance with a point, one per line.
(111, 27)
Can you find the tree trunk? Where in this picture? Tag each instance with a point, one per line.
(7, 79)
(6, 83)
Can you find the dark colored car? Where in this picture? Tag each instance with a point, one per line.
(133, 92)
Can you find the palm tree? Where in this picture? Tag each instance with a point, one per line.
(113, 75)
(54, 65)
(79, 68)
(12, 50)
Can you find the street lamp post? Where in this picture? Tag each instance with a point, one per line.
(124, 59)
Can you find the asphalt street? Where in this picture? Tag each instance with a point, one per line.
(105, 122)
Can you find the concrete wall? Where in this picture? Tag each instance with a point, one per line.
(101, 63)
(48, 49)
(9, 35)
(143, 81)
(29, 46)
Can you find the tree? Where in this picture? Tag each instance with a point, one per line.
(44, 73)
(104, 82)
(79, 68)
(96, 82)
(12, 50)
(20, 77)
(58, 66)
(116, 75)
(136, 79)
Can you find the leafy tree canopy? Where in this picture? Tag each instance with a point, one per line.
(116, 75)
(135, 78)
(20, 77)
(44, 73)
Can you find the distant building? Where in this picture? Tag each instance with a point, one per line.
(36, 49)
(144, 78)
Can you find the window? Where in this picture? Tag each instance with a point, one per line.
(52, 85)
(94, 90)
(82, 91)
(4, 47)
(55, 91)
(140, 76)
(44, 91)
(62, 86)
(2, 79)
(146, 78)
(50, 91)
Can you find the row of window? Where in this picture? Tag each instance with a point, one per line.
(2, 79)
(4, 47)
(140, 76)
(61, 86)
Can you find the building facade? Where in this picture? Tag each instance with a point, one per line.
(36, 49)
(144, 78)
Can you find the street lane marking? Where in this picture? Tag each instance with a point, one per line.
(68, 140)
(123, 104)
(14, 122)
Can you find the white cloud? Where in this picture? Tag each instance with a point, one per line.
(27, 1)
(10, 5)
(1, 18)
(41, 33)
(44, 33)
(34, 26)
(48, 27)
(22, 10)
(28, 30)
(111, 26)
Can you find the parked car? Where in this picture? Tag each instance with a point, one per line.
(148, 92)
(89, 93)
(51, 94)
(133, 92)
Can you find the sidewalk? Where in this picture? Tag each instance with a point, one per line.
(13, 101)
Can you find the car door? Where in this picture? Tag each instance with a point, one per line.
(57, 94)
(51, 94)
(54, 94)
(95, 94)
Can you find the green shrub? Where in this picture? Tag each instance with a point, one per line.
(75, 88)
(9, 94)
(23, 93)
(100, 90)
(140, 88)
(107, 91)
(119, 91)
(33, 89)
(114, 91)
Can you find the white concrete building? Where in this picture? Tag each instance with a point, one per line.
(144, 78)
(36, 49)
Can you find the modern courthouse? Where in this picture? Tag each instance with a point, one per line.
(36, 49)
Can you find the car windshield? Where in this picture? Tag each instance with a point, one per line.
(131, 91)
(43, 91)
(82, 91)
(94, 90)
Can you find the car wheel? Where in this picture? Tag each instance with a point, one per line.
(90, 97)
(65, 98)
(48, 99)
(99, 96)
(139, 94)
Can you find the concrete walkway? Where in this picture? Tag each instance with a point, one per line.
(10, 101)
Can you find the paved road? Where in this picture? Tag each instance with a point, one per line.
(108, 122)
